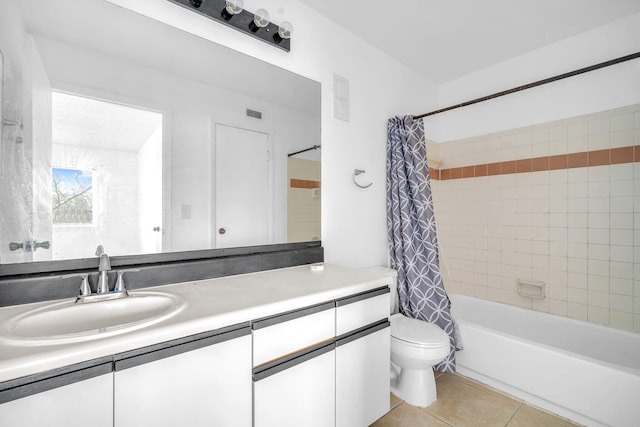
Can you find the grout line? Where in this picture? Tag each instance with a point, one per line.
(514, 414)
(400, 402)
(439, 419)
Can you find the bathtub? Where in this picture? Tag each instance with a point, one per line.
(582, 371)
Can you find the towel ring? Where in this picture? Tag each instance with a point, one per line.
(357, 172)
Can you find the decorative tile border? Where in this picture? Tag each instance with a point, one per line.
(610, 156)
(303, 183)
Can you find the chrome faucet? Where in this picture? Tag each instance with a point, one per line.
(102, 291)
(103, 269)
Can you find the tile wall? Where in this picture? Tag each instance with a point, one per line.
(303, 200)
(558, 203)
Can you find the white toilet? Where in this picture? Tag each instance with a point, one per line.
(416, 346)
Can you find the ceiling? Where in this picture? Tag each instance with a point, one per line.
(447, 39)
(93, 123)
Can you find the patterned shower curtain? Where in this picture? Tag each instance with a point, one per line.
(411, 228)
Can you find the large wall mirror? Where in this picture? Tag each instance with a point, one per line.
(124, 132)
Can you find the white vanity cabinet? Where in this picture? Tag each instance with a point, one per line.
(324, 365)
(75, 396)
(294, 368)
(362, 358)
(202, 380)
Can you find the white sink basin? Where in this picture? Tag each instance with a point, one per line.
(67, 321)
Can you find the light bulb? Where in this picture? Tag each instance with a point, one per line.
(261, 18)
(284, 31)
(234, 7)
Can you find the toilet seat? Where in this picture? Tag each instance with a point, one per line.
(417, 333)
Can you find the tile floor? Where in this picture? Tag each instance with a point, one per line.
(464, 402)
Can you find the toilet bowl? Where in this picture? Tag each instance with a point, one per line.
(416, 346)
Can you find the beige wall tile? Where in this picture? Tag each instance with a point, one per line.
(573, 228)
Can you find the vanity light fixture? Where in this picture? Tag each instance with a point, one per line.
(233, 14)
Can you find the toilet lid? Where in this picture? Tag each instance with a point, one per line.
(418, 332)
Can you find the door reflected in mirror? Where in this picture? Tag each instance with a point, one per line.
(111, 126)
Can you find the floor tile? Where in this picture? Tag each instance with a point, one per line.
(465, 402)
(462, 403)
(527, 416)
(405, 415)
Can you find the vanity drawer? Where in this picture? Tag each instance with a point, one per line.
(280, 335)
(362, 309)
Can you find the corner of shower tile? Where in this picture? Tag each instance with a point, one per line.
(598, 315)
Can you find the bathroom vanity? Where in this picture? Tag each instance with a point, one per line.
(280, 347)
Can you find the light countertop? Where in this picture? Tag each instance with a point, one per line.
(209, 304)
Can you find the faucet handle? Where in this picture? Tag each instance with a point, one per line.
(85, 289)
(120, 287)
(99, 250)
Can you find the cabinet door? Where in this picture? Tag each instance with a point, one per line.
(362, 376)
(206, 386)
(79, 404)
(288, 333)
(363, 356)
(296, 393)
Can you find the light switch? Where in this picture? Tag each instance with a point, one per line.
(186, 212)
(340, 98)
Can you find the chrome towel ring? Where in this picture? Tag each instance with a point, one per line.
(357, 172)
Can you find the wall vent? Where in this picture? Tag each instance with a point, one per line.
(255, 114)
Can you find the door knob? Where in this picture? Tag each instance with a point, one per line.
(221, 230)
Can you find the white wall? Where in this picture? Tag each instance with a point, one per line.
(607, 88)
(353, 220)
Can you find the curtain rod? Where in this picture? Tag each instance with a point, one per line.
(534, 84)
(315, 147)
